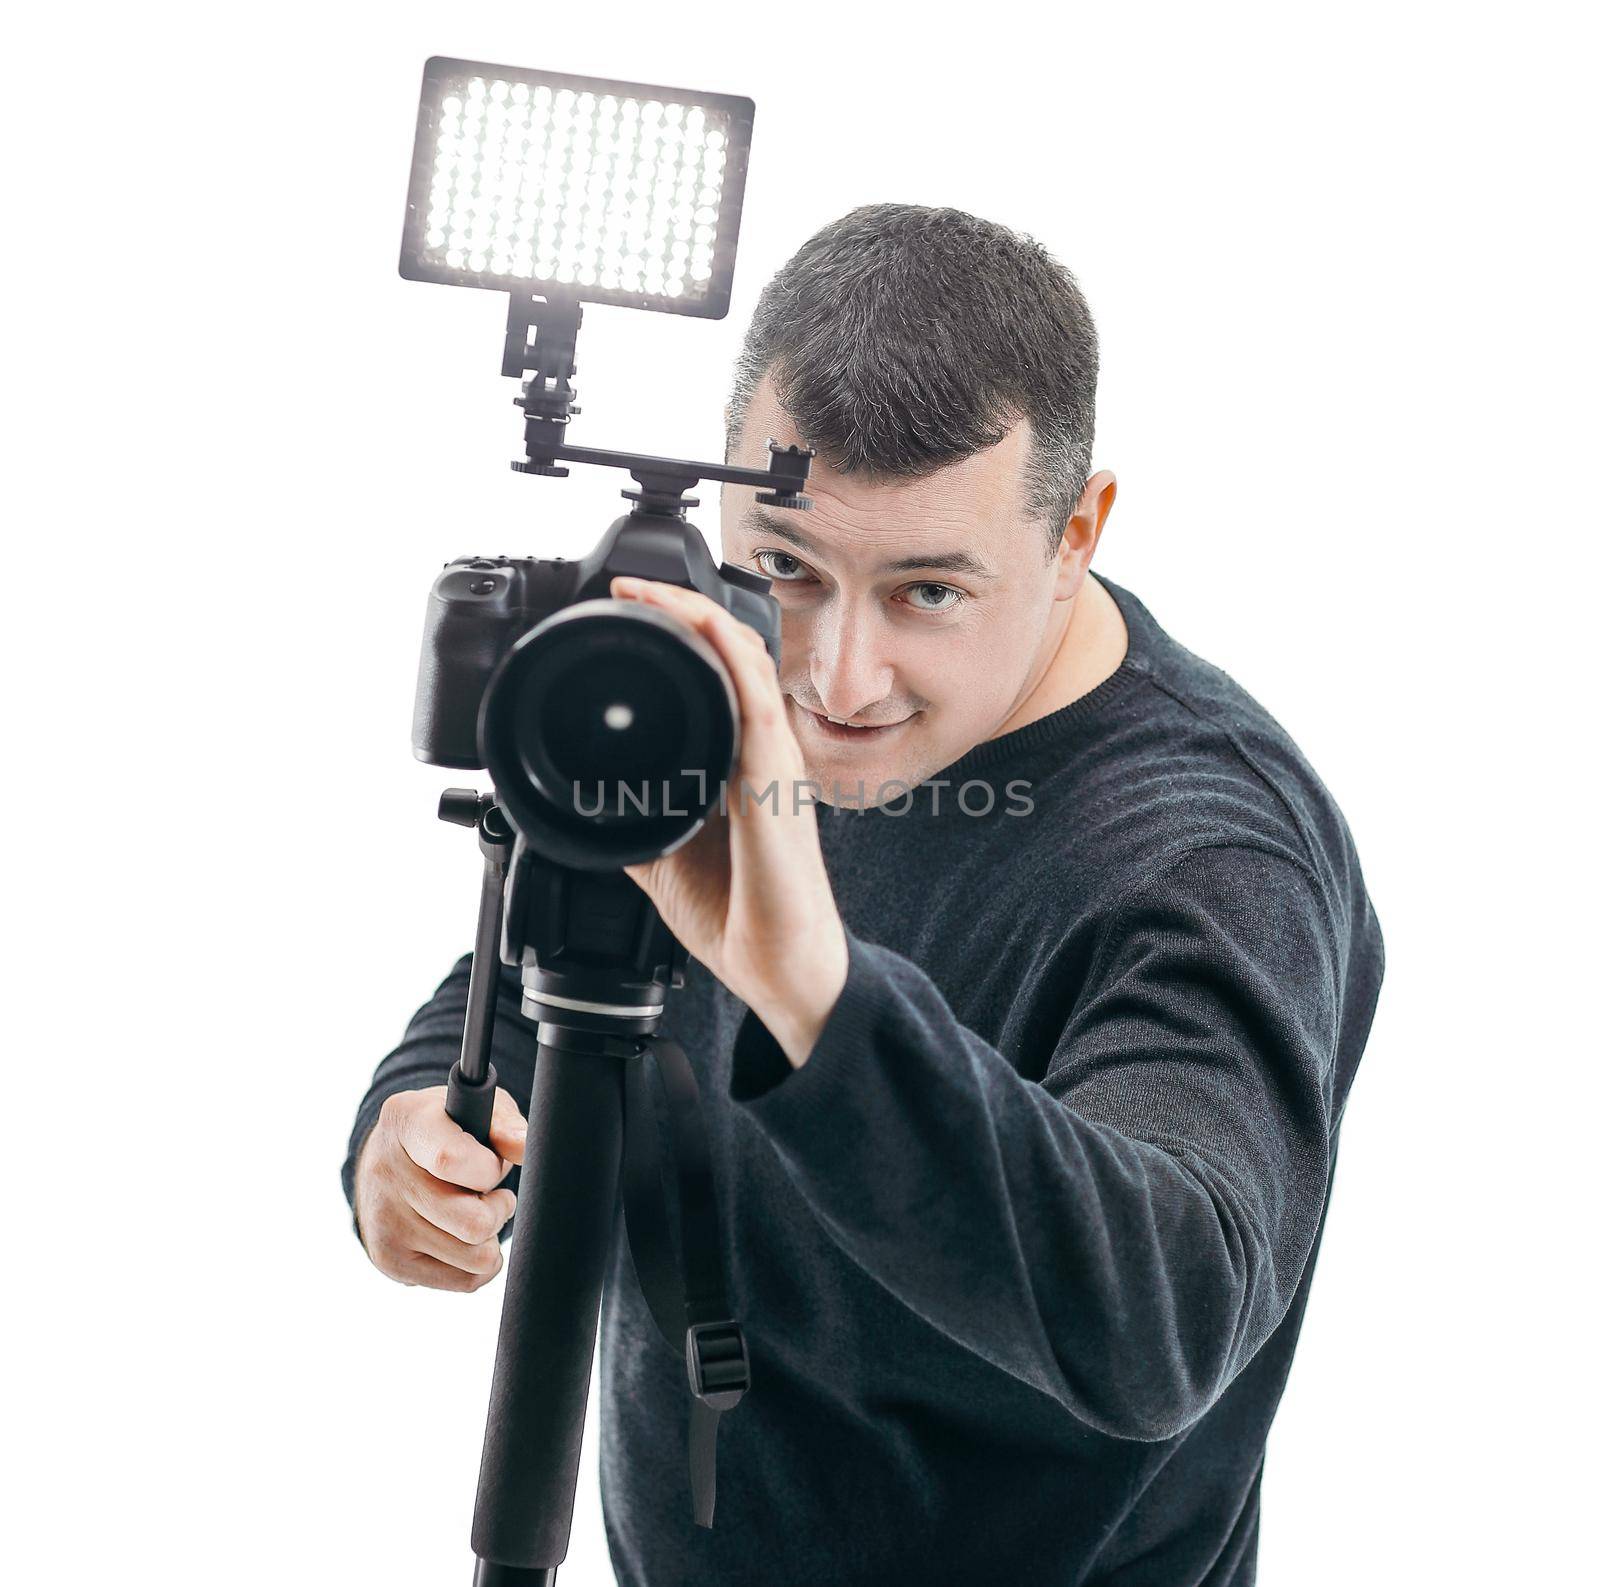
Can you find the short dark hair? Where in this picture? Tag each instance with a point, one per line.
(902, 338)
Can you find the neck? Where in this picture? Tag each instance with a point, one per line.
(1090, 646)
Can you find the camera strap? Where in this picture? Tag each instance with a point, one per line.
(682, 1279)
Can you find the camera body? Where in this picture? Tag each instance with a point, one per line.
(526, 661)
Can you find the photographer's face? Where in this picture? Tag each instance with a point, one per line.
(926, 612)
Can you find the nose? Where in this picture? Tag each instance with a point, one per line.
(849, 663)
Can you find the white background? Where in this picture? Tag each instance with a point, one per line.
(1339, 264)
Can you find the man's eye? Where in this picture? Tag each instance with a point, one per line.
(792, 573)
(943, 597)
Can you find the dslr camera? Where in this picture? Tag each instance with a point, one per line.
(607, 727)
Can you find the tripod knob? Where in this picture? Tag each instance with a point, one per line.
(461, 806)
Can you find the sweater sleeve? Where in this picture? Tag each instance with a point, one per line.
(1124, 1233)
(432, 1043)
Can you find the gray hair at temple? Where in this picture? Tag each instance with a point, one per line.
(902, 339)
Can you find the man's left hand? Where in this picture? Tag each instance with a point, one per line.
(749, 894)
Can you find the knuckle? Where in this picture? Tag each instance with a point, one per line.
(484, 1258)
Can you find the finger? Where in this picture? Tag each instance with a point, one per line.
(469, 1216)
(698, 611)
(484, 1257)
(439, 1146)
(625, 586)
(508, 1130)
(434, 1274)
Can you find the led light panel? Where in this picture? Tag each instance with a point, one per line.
(576, 186)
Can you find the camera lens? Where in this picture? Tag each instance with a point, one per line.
(605, 720)
(608, 729)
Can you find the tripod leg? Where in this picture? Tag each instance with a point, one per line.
(559, 1243)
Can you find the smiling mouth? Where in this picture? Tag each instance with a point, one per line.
(832, 727)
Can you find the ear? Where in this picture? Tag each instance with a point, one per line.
(1082, 534)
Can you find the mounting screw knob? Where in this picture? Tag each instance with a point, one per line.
(460, 806)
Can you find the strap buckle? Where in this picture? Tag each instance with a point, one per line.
(719, 1363)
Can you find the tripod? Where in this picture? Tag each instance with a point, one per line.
(597, 963)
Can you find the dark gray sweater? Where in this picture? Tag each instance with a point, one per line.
(1022, 1251)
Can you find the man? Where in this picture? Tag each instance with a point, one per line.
(1024, 1051)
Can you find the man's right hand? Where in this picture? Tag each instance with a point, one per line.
(426, 1200)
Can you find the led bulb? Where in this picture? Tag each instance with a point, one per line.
(611, 189)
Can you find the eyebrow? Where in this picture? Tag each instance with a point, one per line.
(772, 523)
